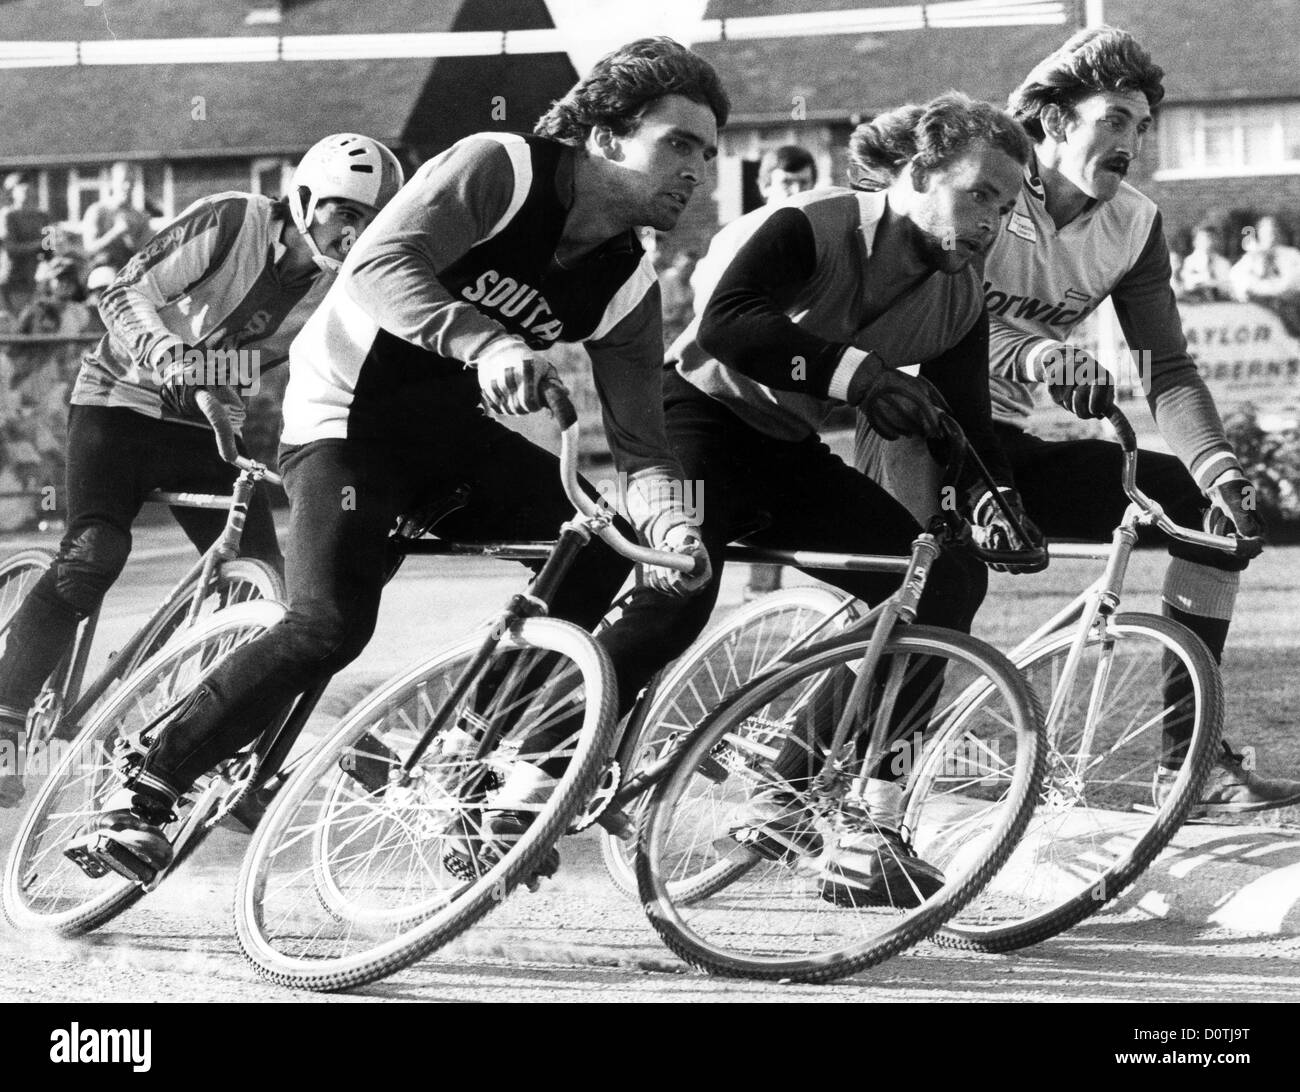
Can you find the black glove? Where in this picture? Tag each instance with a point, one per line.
(1234, 508)
(1078, 383)
(894, 403)
(181, 385)
(998, 533)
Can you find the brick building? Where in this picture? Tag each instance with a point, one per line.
(195, 129)
(1228, 133)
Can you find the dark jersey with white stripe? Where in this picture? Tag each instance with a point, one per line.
(461, 262)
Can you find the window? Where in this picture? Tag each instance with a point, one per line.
(271, 176)
(1222, 141)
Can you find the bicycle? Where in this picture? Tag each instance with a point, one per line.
(1124, 692)
(1103, 677)
(44, 890)
(220, 603)
(218, 579)
(379, 848)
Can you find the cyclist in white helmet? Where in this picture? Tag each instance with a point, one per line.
(211, 301)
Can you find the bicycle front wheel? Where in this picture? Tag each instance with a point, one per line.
(1145, 689)
(42, 889)
(726, 905)
(748, 642)
(357, 870)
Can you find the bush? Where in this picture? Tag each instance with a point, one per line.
(1271, 460)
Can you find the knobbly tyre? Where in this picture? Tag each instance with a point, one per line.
(1134, 716)
(385, 843)
(761, 853)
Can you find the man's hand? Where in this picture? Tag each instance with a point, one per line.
(1234, 508)
(894, 403)
(997, 532)
(181, 384)
(682, 538)
(511, 379)
(1077, 382)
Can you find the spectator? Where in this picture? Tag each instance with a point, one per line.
(1206, 273)
(1269, 271)
(59, 307)
(112, 230)
(784, 172)
(22, 233)
(1176, 274)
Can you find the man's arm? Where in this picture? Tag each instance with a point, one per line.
(627, 366)
(745, 325)
(961, 376)
(454, 202)
(92, 239)
(168, 266)
(1180, 401)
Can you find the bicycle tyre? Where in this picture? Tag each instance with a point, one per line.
(299, 934)
(67, 902)
(1043, 858)
(242, 580)
(747, 642)
(18, 573)
(669, 875)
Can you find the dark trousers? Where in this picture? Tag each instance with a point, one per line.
(345, 496)
(1072, 490)
(115, 457)
(336, 554)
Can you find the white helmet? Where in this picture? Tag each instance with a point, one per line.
(347, 166)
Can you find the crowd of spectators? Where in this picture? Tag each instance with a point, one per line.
(51, 278)
(1267, 271)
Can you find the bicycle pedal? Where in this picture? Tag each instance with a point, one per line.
(617, 822)
(712, 770)
(97, 855)
(79, 852)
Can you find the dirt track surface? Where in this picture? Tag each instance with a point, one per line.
(578, 940)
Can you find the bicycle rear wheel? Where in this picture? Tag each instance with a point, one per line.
(243, 580)
(1095, 828)
(727, 908)
(356, 872)
(18, 574)
(42, 890)
(740, 648)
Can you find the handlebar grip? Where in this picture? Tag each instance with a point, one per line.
(1123, 430)
(558, 402)
(215, 412)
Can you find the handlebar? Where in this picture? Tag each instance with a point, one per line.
(219, 419)
(1237, 545)
(557, 400)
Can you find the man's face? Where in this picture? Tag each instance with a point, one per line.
(960, 209)
(336, 225)
(783, 184)
(1266, 233)
(1098, 144)
(663, 160)
(1205, 242)
(20, 193)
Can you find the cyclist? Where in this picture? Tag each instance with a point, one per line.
(498, 248)
(821, 301)
(1080, 233)
(234, 273)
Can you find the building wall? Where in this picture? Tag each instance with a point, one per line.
(1186, 203)
(197, 178)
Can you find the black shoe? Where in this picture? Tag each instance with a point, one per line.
(126, 840)
(878, 868)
